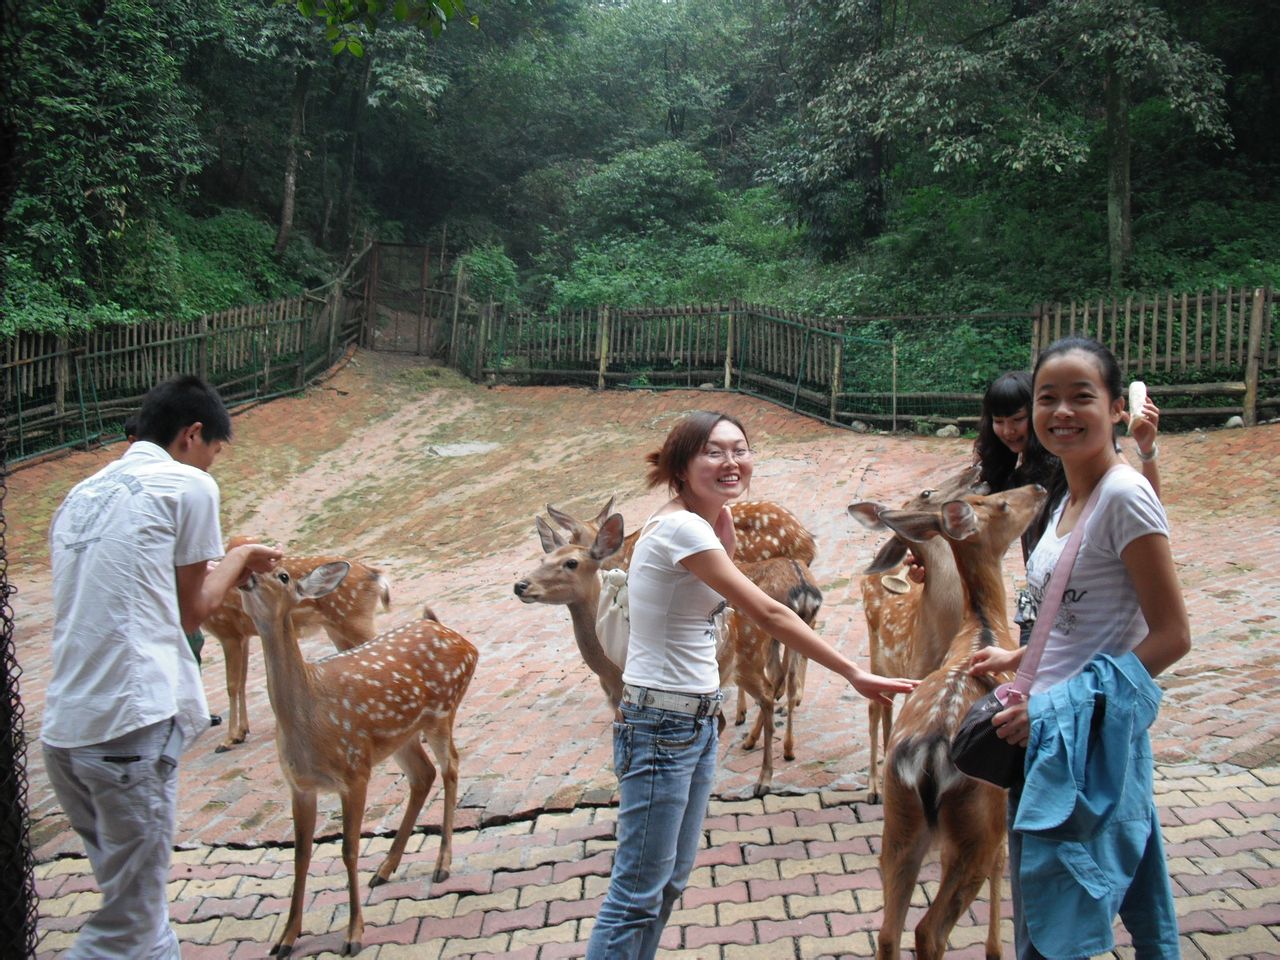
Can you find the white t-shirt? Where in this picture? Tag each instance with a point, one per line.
(120, 659)
(1099, 611)
(673, 640)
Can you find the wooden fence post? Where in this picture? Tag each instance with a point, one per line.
(61, 377)
(482, 337)
(603, 314)
(837, 367)
(202, 349)
(422, 298)
(1252, 359)
(453, 332)
(728, 347)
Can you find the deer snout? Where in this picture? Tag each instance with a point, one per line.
(520, 588)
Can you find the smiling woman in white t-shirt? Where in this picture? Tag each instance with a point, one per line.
(666, 735)
(1122, 595)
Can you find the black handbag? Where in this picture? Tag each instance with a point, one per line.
(978, 751)
(976, 748)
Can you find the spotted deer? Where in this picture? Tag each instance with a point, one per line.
(338, 716)
(346, 614)
(569, 576)
(927, 800)
(908, 632)
(764, 669)
(763, 531)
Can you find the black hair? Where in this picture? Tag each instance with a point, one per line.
(1008, 394)
(176, 404)
(1108, 368)
(131, 427)
(685, 441)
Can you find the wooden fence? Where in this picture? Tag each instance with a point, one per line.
(75, 388)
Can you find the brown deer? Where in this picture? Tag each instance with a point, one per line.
(568, 576)
(927, 800)
(346, 615)
(764, 668)
(763, 531)
(908, 632)
(338, 716)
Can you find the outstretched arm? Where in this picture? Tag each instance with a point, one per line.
(715, 569)
(201, 586)
(1144, 432)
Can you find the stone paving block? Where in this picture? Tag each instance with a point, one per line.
(196, 932)
(789, 851)
(773, 802)
(772, 908)
(728, 873)
(701, 916)
(743, 933)
(852, 945)
(594, 886)
(505, 921)
(760, 951)
(840, 902)
(1240, 943)
(759, 836)
(568, 890)
(428, 950)
(438, 907)
(506, 900)
(598, 864)
(720, 808)
(794, 868)
(457, 948)
(565, 932)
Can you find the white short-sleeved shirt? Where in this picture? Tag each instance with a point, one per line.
(1099, 611)
(673, 640)
(120, 658)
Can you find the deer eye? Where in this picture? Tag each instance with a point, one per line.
(927, 494)
(571, 564)
(283, 577)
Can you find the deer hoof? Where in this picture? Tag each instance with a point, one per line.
(740, 719)
(440, 876)
(789, 756)
(282, 950)
(377, 881)
(761, 789)
(350, 948)
(222, 748)
(873, 796)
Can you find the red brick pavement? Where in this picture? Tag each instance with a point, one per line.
(457, 531)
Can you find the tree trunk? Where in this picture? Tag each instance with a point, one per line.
(1119, 216)
(301, 84)
(359, 92)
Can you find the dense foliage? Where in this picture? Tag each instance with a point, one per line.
(837, 156)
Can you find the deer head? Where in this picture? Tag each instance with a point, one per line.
(567, 574)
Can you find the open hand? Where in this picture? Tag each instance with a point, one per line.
(880, 689)
(994, 660)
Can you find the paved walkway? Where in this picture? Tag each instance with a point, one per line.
(792, 875)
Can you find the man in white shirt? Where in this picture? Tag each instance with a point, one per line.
(130, 550)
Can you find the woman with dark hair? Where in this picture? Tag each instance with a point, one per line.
(666, 734)
(1010, 455)
(1084, 841)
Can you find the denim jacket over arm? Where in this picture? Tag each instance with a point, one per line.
(1087, 816)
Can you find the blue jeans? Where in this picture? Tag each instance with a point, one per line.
(666, 767)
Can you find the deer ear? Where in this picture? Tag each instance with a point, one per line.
(322, 580)
(915, 526)
(888, 557)
(604, 514)
(549, 537)
(959, 520)
(609, 539)
(867, 513)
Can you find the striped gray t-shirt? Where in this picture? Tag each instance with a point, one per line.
(1099, 611)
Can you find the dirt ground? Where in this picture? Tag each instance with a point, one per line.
(436, 481)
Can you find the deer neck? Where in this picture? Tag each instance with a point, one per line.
(986, 612)
(289, 676)
(942, 602)
(583, 613)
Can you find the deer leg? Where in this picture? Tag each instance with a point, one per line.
(353, 801)
(790, 663)
(967, 838)
(994, 896)
(440, 739)
(905, 841)
(741, 716)
(874, 715)
(802, 666)
(764, 725)
(235, 657)
(417, 767)
(304, 827)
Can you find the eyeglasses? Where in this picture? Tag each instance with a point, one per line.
(720, 455)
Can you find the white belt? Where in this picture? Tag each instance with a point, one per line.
(706, 704)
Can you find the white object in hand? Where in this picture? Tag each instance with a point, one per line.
(1137, 400)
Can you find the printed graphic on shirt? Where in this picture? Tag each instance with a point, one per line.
(89, 505)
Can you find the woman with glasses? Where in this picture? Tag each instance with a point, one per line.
(666, 734)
